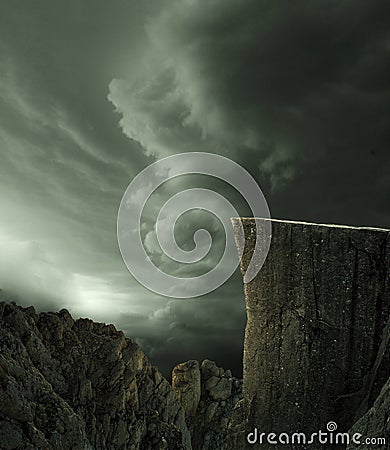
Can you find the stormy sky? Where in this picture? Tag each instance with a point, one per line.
(92, 92)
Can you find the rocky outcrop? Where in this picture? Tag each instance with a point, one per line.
(77, 384)
(186, 384)
(208, 394)
(316, 339)
(375, 424)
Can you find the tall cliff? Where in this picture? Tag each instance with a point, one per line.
(316, 343)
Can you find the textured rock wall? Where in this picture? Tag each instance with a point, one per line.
(208, 394)
(315, 344)
(75, 385)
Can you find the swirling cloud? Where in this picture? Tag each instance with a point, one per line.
(296, 92)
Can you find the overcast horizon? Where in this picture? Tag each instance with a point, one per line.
(92, 92)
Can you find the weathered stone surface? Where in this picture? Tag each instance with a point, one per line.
(186, 384)
(222, 390)
(219, 392)
(68, 384)
(315, 336)
(375, 423)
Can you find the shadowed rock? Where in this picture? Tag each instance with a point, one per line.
(186, 384)
(375, 424)
(67, 384)
(215, 392)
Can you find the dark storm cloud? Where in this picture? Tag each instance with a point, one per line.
(208, 327)
(64, 167)
(299, 90)
(64, 164)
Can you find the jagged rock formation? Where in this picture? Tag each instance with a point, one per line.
(208, 394)
(76, 385)
(315, 344)
(186, 384)
(375, 423)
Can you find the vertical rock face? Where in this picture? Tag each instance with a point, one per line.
(186, 384)
(316, 337)
(73, 385)
(214, 392)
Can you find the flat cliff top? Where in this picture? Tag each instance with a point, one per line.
(249, 220)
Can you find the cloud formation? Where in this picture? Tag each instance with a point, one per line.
(65, 165)
(298, 93)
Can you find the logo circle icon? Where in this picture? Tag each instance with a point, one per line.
(148, 181)
(331, 426)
